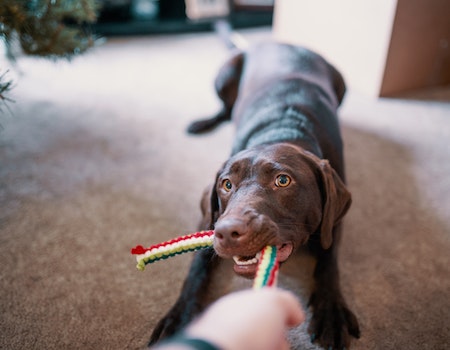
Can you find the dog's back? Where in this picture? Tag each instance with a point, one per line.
(289, 93)
(272, 61)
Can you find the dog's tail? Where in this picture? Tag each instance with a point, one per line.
(231, 38)
(234, 42)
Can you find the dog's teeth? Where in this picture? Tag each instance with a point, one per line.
(242, 261)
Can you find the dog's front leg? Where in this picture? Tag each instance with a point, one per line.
(332, 322)
(193, 293)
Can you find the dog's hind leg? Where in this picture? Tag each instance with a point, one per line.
(227, 86)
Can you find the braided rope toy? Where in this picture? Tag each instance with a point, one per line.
(267, 270)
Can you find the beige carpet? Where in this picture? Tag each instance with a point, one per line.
(94, 160)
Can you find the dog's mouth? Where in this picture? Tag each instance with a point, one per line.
(246, 260)
(246, 266)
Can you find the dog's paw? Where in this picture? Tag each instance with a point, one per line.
(201, 126)
(165, 328)
(332, 323)
(176, 319)
(205, 125)
(170, 324)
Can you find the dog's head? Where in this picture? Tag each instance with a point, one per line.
(273, 195)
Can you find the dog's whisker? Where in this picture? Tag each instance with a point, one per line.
(296, 224)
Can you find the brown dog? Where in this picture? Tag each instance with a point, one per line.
(283, 184)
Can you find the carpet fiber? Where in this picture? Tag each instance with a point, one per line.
(94, 160)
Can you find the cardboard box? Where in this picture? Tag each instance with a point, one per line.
(382, 47)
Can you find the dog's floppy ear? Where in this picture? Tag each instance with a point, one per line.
(209, 205)
(336, 199)
(214, 204)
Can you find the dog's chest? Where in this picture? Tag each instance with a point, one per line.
(296, 274)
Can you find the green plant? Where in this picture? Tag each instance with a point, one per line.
(47, 28)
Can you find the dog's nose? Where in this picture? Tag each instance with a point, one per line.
(230, 230)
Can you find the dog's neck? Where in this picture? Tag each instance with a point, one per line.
(291, 125)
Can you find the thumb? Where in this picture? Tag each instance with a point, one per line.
(293, 311)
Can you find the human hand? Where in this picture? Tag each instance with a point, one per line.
(250, 320)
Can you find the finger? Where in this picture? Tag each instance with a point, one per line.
(284, 345)
(293, 311)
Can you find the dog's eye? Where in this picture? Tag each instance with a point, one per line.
(227, 185)
(282, 180)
